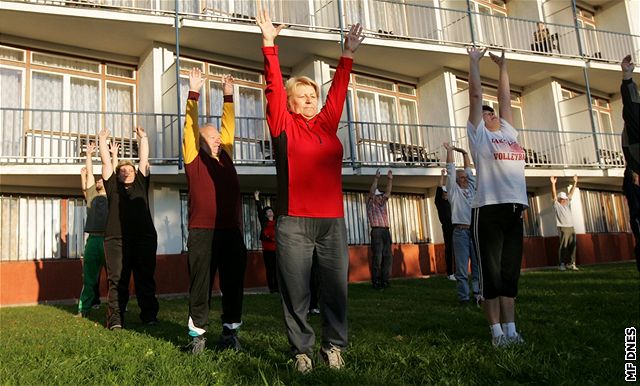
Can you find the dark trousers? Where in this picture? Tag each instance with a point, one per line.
(382, 258)
(314, 283)
(497, 233)
(297, 237)
(221, 250)
(269, 258)
(635, 228)
(124, 256)
(567, 249)
(447, 234)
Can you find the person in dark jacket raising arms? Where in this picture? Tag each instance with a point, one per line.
(311, 215)
(215, 239)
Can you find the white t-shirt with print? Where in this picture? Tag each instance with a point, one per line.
(460, 199)
(499, 161)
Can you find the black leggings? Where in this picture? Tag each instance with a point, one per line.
(498, 235)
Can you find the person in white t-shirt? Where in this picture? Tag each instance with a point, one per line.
(500, 198)
(461, 185)
(564, 222)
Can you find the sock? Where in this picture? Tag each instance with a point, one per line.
(509, 328)
(496, 331)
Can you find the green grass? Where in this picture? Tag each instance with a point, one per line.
(411, 333)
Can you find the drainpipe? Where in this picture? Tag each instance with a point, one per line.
(471, 29)
(352, 146)
(177, 27)
(585, 72)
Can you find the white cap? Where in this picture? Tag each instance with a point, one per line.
(378, 193)
(444, 189)
(563, 196)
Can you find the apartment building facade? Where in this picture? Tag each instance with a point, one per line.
(70, 68)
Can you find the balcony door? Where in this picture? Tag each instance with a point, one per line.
(11, 119)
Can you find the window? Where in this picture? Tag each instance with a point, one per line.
(39, 227)
(601, 115)
(490, 22)
(64, 105)
(386, 114)
(407, 218)
(604, 212)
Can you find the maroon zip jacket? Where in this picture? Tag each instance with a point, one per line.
(308, 153)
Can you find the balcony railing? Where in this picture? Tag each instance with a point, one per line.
(40, 136)
(394, 20)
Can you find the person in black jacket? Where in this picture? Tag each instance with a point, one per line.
(631, 116)
(444, 215)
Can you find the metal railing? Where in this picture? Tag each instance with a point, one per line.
(395, 20)
(39, 136)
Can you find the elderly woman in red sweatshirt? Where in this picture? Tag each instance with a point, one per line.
(309, 172)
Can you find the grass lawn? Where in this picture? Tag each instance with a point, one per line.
(411, 333)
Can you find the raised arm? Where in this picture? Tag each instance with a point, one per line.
(554, 194)
(475, 85)
(374, 184)
(227, 132)
(90, 180)
(389, 183)
(191, 133)
(275, 93)
(504, 88)
(573, 188)
(443, 174)
(627, 67)
(259, 208)
(83, 181)
(143, 151)
(113, 149)
(107, 168)
(449, 149)
(465, 157)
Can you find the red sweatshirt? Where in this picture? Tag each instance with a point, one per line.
(308, 153)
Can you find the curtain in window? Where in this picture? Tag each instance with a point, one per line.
(11, 121)
(46, 94)
(119, 108)
(85, 104)
(250, 129)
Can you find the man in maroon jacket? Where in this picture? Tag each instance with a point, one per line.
(309, 172)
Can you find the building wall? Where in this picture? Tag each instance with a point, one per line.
(539, 107)
(613, 17)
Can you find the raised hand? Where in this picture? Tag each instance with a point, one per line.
(390, 175)
(499, 60)
(140, 133)
(575, 179)
(104, 134)
(377, 173)
(113, 149)
(83, 171)
(476, 53)
(447, 146)
(91, 148)
(553, 179)
(227, 84)
(196, 81)
(256, 195)
(627, 65)
(269, 31)
(352, 40)
(443, 172)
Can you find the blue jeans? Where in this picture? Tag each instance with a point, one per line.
(463, 249)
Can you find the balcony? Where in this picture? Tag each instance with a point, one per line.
(49, 137)
(387, 19)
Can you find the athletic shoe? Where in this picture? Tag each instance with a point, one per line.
(115, 327)
(332, 357)
(515, 339)
(96, 306)
(572, 267)
(229, 340)
(499, 341)
(563, 267)
(314, 311)
(152, 323)
(451, 277)
(197, 344)
(303, 363)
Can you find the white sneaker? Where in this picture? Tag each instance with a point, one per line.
(515, 339)
(499, 341)
(451, 277)
(563, 267)
(572, 267)
(303, 363)
(332, 357)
